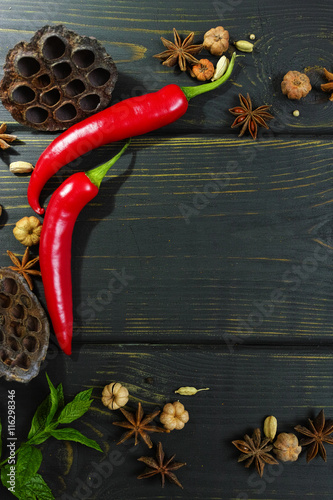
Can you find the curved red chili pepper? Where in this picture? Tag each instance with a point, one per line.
(129, 118)
(55, 246)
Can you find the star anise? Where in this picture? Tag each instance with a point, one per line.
(181, 52)
(255, 449)
(250, 118)
(137, 423)
(328, 87)
(24, 267)
(5, 138)
(161, 466)
(317, 433)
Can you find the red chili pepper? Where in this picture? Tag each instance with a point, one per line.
(129, 118)
(55, 245)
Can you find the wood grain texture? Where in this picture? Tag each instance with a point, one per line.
(245, 386)
(288, 36)
(200, 238)
(205, 260)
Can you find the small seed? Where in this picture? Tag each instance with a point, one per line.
(244, 46)
(296, 112)
(21, 167)
(270, 427)
(252, 36)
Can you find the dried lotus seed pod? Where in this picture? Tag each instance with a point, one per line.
(57, 79)
(24, 329)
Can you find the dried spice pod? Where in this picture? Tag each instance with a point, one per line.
(24, 329)
(57, 79)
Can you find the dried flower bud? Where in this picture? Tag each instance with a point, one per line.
(295, 85)
(114, 396)
(221, 68)
(216, 40)
(174, 416)
(189, 391)
(286, 447)
(21, 167)
(270, 427)
(203, 71)
(27, 231)
(244, 46)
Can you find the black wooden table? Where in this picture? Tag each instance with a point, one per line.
(221, 248)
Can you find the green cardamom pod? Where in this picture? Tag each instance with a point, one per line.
(244, 46)
(270, 427)
(189, 391)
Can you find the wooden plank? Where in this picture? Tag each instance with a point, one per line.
(200, 239)
(246, 385)
(131, 33)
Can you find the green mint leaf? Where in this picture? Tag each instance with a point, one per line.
(34, 488)
(14, 476)
(54, 401)
(73, 411)
(28, 462)
(61, 400)
(38, 487)
(84, 395)
(39, 438)
(70, 434)
(39, 419)
(29, 496)
(76, 408)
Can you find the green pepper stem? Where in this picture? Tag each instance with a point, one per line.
(191, 92)
(97, 174)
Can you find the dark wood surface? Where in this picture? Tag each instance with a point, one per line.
(221, 248)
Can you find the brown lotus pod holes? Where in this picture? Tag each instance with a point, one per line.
(9, 286)
(24, 329)
(53, 47)
(4, 301)
(57, 79)
(27, 66)
(23, 94)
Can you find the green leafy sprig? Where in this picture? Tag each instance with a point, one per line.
(52, 412)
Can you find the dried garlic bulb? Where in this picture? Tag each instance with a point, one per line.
(114, 396)
(27, 231)
(174, 416)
